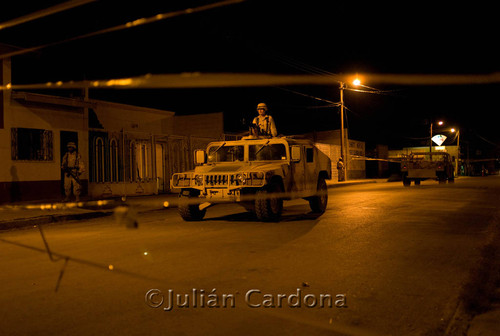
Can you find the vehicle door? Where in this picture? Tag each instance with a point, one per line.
(311, 170)
(296, 179)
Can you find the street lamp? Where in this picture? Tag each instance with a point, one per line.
(356, 82)
(453, 130)
(342, 87)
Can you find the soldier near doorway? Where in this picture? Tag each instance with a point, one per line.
(73, 167)
(341, 170)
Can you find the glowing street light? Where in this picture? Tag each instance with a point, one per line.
(356, 82)
(453, 130)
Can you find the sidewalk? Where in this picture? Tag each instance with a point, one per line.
(25, 214)
(20, 215)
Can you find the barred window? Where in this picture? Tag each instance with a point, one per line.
(31, 144)
(99, 160)
(113, 160)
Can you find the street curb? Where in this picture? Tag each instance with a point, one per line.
(349, 183)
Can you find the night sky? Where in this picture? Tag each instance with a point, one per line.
(281, 37)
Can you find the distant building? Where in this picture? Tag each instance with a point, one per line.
(329, 143)
(128, 150)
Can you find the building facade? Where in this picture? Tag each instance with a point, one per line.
(354, 161)
(127, 150)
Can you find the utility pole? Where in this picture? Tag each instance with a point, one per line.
(344, 145)
(342, 152)
(458, 151)
(430, 144)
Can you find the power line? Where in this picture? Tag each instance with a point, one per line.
(44, 12)
(131, 24)
(332, 104)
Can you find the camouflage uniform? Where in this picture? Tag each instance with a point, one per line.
(264, 124)
(341, 170)
(73, 167)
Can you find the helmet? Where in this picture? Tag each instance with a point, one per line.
(71, 144)
(262, 106)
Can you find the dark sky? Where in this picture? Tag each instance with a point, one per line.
(280, 37)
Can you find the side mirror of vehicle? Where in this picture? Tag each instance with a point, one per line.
(199, 157)
(295, 153)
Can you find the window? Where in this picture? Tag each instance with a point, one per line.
(113, 160)
(99, 160)
(31, 144)
(267, 152)
(225, 153)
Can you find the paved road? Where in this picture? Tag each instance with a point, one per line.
(393, 259)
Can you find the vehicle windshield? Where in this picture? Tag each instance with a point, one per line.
(266, 152)
(225, 153)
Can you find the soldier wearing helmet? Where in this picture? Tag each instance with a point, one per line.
(264, 122)
(72, 167)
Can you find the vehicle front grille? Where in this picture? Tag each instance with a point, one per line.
(216, 180)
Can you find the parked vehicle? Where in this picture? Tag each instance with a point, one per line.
(421, 166)
(257, 173)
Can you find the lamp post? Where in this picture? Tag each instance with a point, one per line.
(342, 87)
(343, 144)
(453, 130)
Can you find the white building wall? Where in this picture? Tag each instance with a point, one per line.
(22, 116)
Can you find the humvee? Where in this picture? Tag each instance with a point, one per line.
(420, 166)
(256, 172)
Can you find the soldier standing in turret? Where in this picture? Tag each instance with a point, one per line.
(264, 122)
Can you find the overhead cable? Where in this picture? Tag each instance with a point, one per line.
(131, 24)
(44, 12)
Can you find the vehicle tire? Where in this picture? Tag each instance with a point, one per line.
(417, 182)
(190, 212)
(406, 181)
(268, 203)
(319, 202)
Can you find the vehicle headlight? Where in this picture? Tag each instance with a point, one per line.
(258, 175)
(256, 178)
(181, 180)
(241, 178)
(198, 179)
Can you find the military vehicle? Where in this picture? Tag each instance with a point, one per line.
(420, 166)
(256, 172)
